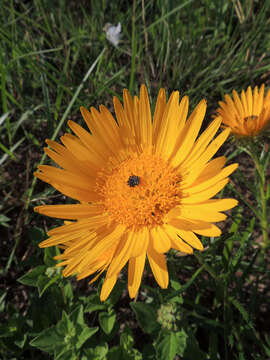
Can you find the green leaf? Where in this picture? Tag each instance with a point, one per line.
(31, 277)
(94, 304)
(170, 344)
(77, 315)
(68, 292)
(49, 340)
(146, 316)
(192, 349)
(115, 353)
(44, 282)
(126, 339)
(98, 353)
(65, 355)
(107, 321)
(49, 254)
(36, 235)
(70, 333)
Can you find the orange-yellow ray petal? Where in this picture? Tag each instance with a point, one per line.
(205, 194)
(145, 124)
(195, 212)
(75, 211)
(176, 242)
(159, 267)
(212, 230)
(190, 238)
(123, 254)
(141, 242)
(64, 177)
(158, 114)
(107, 287)
(202, 142)
(211, 174)
(185, 141)
(166, 124)
(107, 242)
(160, 241)
(135, 271)
(197, 166)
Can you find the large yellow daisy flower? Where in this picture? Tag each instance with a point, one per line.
(248, 115)
(144, 186)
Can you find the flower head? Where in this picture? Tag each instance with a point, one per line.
(113, 33)
(143, 186)
(246, 116)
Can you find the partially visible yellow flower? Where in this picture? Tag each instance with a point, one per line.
(143, 184)
(248, 115)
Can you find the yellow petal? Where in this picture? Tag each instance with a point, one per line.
(122, 255)
(167, 126)
(191, 130)
(145, 124)
(159, 268)
(202, 142)
(176, 242)
(190, 238)
(160, 241)
(135, 271)
(107, 287)
(158, 114)
(201, 196)
(76, 211)
(141, 242)
(197, 167)
(212, 230)
(197, 213)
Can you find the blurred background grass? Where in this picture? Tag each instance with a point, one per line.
(54, 58)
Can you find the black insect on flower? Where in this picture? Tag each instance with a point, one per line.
(133, 180)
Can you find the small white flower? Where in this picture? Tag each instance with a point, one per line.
(113, 33)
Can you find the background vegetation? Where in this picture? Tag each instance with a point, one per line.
(54, 57)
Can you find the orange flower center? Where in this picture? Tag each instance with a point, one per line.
(139, 191)
(250, 124)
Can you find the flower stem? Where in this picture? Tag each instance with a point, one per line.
(262, 198)
(207, 267)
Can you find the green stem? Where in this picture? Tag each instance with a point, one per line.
(207, 267)
(263, 198)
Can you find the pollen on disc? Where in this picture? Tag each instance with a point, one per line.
(139, 191)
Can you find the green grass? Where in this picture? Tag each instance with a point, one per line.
(54, 58)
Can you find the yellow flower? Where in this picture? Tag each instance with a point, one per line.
(248, 115)
(144, 186)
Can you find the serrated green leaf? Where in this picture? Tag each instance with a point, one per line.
(68, 292)
(115, 353)
(84, 334)
(49, 254)
(65, 327)
(146, 316)
(31, 277)
(126, 339)
(192, 349)
(236, 259)
(97, 353)
(94, 304)
(36, 235)
(65, 355)
(107, 321)
(20, 342)
(49, 340)
(44, 282)
(166, 347)
(77, 315)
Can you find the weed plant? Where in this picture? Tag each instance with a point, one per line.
(54, 58)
